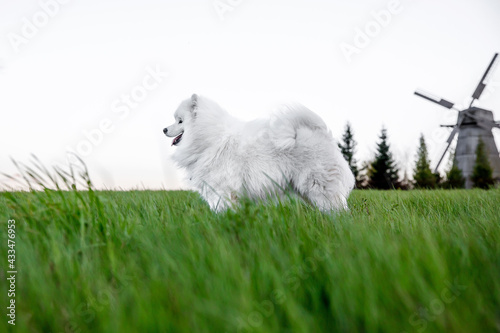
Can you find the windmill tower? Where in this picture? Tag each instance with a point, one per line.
(473, 123)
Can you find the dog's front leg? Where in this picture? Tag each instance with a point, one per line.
(218, 203)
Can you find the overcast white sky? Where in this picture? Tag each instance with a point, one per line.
(67, 72)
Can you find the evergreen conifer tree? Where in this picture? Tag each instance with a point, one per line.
(383, 172)
(482, 174)
(422, 174)
(454, 176)
(348, 149)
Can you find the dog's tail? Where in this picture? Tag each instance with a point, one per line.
(289, 120)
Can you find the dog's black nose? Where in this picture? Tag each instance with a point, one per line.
(165, 130)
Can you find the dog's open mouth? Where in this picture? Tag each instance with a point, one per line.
(177, 139)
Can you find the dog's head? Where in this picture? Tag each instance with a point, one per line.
(185, 113)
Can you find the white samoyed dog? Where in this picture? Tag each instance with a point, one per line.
(226, 157)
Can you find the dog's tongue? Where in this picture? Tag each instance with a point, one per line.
(177, 139)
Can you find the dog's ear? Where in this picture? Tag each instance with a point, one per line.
(194, 104)
(194, 101)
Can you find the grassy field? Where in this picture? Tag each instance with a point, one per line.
(157, 261)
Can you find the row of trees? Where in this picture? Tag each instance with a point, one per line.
(383, 173)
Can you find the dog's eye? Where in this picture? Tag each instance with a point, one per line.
(180, 121)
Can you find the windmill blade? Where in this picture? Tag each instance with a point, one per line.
(484, 80)
(450, 140)
(434, 99)
(452, 135)
(461, 117)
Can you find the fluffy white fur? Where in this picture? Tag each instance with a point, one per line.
(225, 157)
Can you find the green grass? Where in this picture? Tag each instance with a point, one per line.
(157, 261)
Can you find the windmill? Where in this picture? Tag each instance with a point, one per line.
(472, 124)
